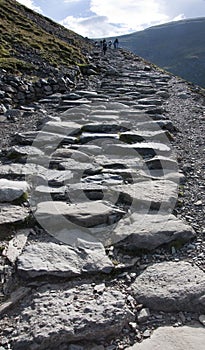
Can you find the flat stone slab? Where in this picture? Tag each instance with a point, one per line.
(62, 127)
(57, 314)
(48, 258)
(172, 338)
(12, 190)
(71, 153)
(15, 170)
(22, 151)
(44, 193)
(149, 231)
(170, 287)
(104, 128)
(156, 125)
(91, 137)
(141, 148)
(51, 177)
(149, 101)
(72, 164)
(44, 138)
(155, 195)
(160, 162)
(87, 214)
(10, 214)
(143, 135)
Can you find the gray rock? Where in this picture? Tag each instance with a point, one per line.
(91, 137)
(65, 128)
(15, 297)
(20, 151)
(12, 190)
(43, 138)
(149, 231)
(143, 135)
(56, 314)
(170, 338)
(44, 193)
(51, 177)
(141, 148)
(154, 195)
(202, 319)
(47, 258)
(71, 153)
(16, 245)
(156, 125)
(16, 170)
(103, 128)
(72, 164)
(171, 286)
(149, 101)
(143, 315)
(10, 214)
(160, 162)
(87, 214)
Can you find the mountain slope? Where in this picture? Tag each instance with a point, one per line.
(178, 47)
(31, 42)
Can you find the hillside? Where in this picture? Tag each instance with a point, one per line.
(32, 42)
(178, 47)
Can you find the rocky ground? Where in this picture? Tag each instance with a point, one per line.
(102, 212)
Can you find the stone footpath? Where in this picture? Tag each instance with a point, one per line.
(98, 249)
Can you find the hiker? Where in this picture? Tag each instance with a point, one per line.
(116, 43)
(110, 44)
(104, 48)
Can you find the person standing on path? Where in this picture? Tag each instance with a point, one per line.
(116, 43)
(104, 48)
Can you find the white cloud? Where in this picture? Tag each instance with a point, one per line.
(103, 18)
(134, 14)
(92, 27)
(31, 5)
(65, 1)
(116, 17)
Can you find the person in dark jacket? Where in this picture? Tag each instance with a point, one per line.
(116, 43)
(104, 48)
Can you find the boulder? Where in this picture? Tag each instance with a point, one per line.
(171, 287)
(12, 190)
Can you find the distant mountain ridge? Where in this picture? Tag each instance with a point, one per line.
(178, 47)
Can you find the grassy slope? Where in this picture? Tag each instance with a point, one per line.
(30, 41)
(178, 47)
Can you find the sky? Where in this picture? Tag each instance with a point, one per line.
(104, 18)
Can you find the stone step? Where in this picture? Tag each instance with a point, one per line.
(151, 195)
(60, 260)
(146, 231)
(161, 283)
(171, 338)
(145, 135)
(143, 149)
(13, 214)
(69, 313)
(87, 214)
(13, 190)
(41, 138)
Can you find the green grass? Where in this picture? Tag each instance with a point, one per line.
(28, 36)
